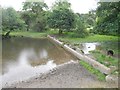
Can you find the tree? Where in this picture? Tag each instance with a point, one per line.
(61, 17)
(60, 4)
(88, 19)
(34, 15)
(108, 18)
(80, 29)
(27, 18)
(11, 20)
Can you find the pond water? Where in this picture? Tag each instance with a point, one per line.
(25, 57)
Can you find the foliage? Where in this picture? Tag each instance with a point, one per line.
(108, 18)
(11, 20)
(88, 19)
(99, 75)
(27, 18)
(60, 4)
(80, 29)
(61, 17)
(34, 15)
(35, 7)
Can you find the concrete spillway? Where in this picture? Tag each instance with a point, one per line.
(85, 58)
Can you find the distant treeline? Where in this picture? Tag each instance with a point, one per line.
(38, 17)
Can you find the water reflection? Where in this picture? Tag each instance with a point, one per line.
(24, 57)
(24, 71)
(43, 54)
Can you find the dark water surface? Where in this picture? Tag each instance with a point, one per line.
(24, 57)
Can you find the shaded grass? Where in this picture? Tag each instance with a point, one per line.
(92, 70)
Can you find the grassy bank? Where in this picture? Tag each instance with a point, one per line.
(66, 37)
(92, 38)
(94, 71)
(29, 34)
(104, 59)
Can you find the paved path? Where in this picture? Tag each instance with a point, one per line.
(70, 75)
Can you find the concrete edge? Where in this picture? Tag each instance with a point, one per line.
(102, 68)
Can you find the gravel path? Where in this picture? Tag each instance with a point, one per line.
(69, 75)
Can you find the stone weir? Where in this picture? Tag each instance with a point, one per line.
(102, 68)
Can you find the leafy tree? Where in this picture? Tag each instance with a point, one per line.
(27, 18)
(34, 15)
(61, 17)
(108, 18)
(88, 19)
(11, 20)
(80, 29)
(40, 23)
(60, 4)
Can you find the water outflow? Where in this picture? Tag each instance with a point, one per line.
(86, 47)
(23, 70)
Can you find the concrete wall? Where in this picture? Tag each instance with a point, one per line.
(85, 58)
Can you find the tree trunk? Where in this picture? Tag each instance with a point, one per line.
(7, 34)
(60, 32)
(28, 28)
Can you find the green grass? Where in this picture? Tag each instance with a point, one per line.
(106, 60)
(32, 34)
(66, 36)
(94, 71)
(92, 38)
(28, 34)
(102, 58)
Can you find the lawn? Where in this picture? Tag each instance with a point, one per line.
(92, 38)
